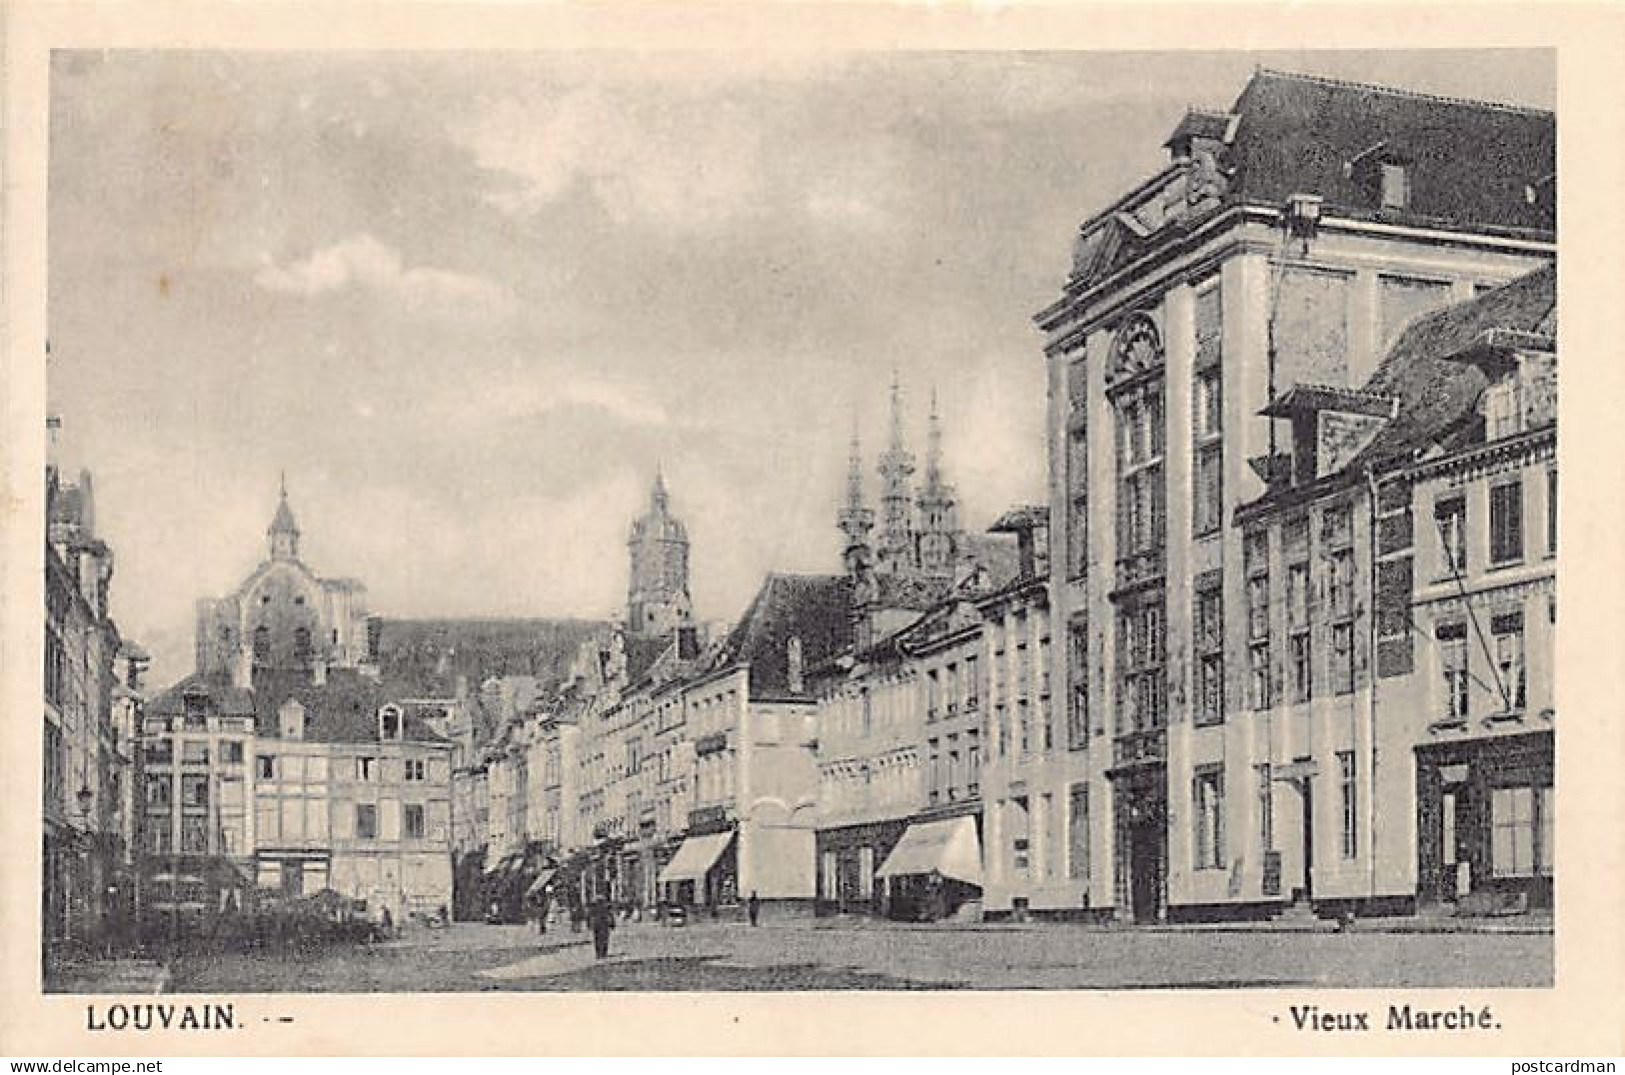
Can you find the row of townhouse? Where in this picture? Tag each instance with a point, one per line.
(1227, 670)
(92, 699)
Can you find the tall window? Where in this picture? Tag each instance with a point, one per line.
(262, 643)
(1551, 512)
(1207, 419)
(1078, 831)
(1207, 796)
(1450, 519)
(412, 821)
(366, 821)
(826, 875)
(1077, 711)
(1396, 186)
(365, 768)
(1142, 697)
(1266, 807)
(1209, 619)
(1507, 629)
(1348, 801)
(1298, 652)
(1140, 492)
(1077, 481)
(1452, 639)
(1343, 658)
(866, 872)
(1256, 563)
(973, 683)
(1506, 523)
(1521, 826)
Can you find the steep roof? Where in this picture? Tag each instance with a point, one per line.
(1471, 161)
(815, 608)
(1437, 393)
(342, 710)
(231, 701)
(425, 657)
(1435, 386)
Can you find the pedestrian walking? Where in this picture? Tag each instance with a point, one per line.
(753, 907)
(601, 919)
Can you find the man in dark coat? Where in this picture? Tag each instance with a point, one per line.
(753, 907)
(601, 919)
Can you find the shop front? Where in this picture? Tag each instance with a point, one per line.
(1486, 818)
(935, 869)
(703, 873)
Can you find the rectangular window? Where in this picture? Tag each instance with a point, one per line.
(1343, 658)
(1340, 581)
(1077, 713)
(1207, 797)
(412, 821)
(973, 761)
(194, 835)
(1297, 594)
(973, 683)
(866, 872)
(931, 696)
(1450, 520)
(826, 876)
(1512, 832)
(231, 752)
(1258, 608)
(160, 786)
(265, 766)
(195, 791)
(1452, 639)
(366, 821)
(1348, 801)
(1396, 186)
(1207, 420)
(365, 768)
(1551, 512)
(1209, 617)
(1507, 629)
(415, 769)
(1258, 676)
(1302, 680)
(1140, 497)
(1078, 832)
(160, 752)
(1077, 524)
(1506, 523)
(195, 752)
(1266, 807)
(1142, 696)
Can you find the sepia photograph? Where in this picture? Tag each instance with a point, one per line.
(640, 520)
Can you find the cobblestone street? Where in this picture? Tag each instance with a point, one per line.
(863, 955)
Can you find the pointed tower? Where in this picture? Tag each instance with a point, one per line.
(283, 532)
(854, 519)
(657, 599)
(895, 554)
(939, 538)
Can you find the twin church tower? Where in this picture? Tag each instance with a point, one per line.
(919, 535)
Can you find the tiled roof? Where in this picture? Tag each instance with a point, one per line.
(1437, 394)
(817, 608)
(1437, 391)
(342, 710)
(424, 658)
(231, 701)
(1470, 161)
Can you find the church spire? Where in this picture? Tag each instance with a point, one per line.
(854, 519)
(283, 531)
(939, 524)
(896, 492)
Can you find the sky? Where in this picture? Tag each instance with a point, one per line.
(468, 303)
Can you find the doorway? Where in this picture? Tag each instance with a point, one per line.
(1146, 850)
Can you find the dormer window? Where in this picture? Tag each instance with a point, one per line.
(389, 723)
(1395, 179)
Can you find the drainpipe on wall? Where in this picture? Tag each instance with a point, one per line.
(1373, 487)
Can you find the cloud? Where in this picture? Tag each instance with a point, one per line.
(680, 164)
(365, 263)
